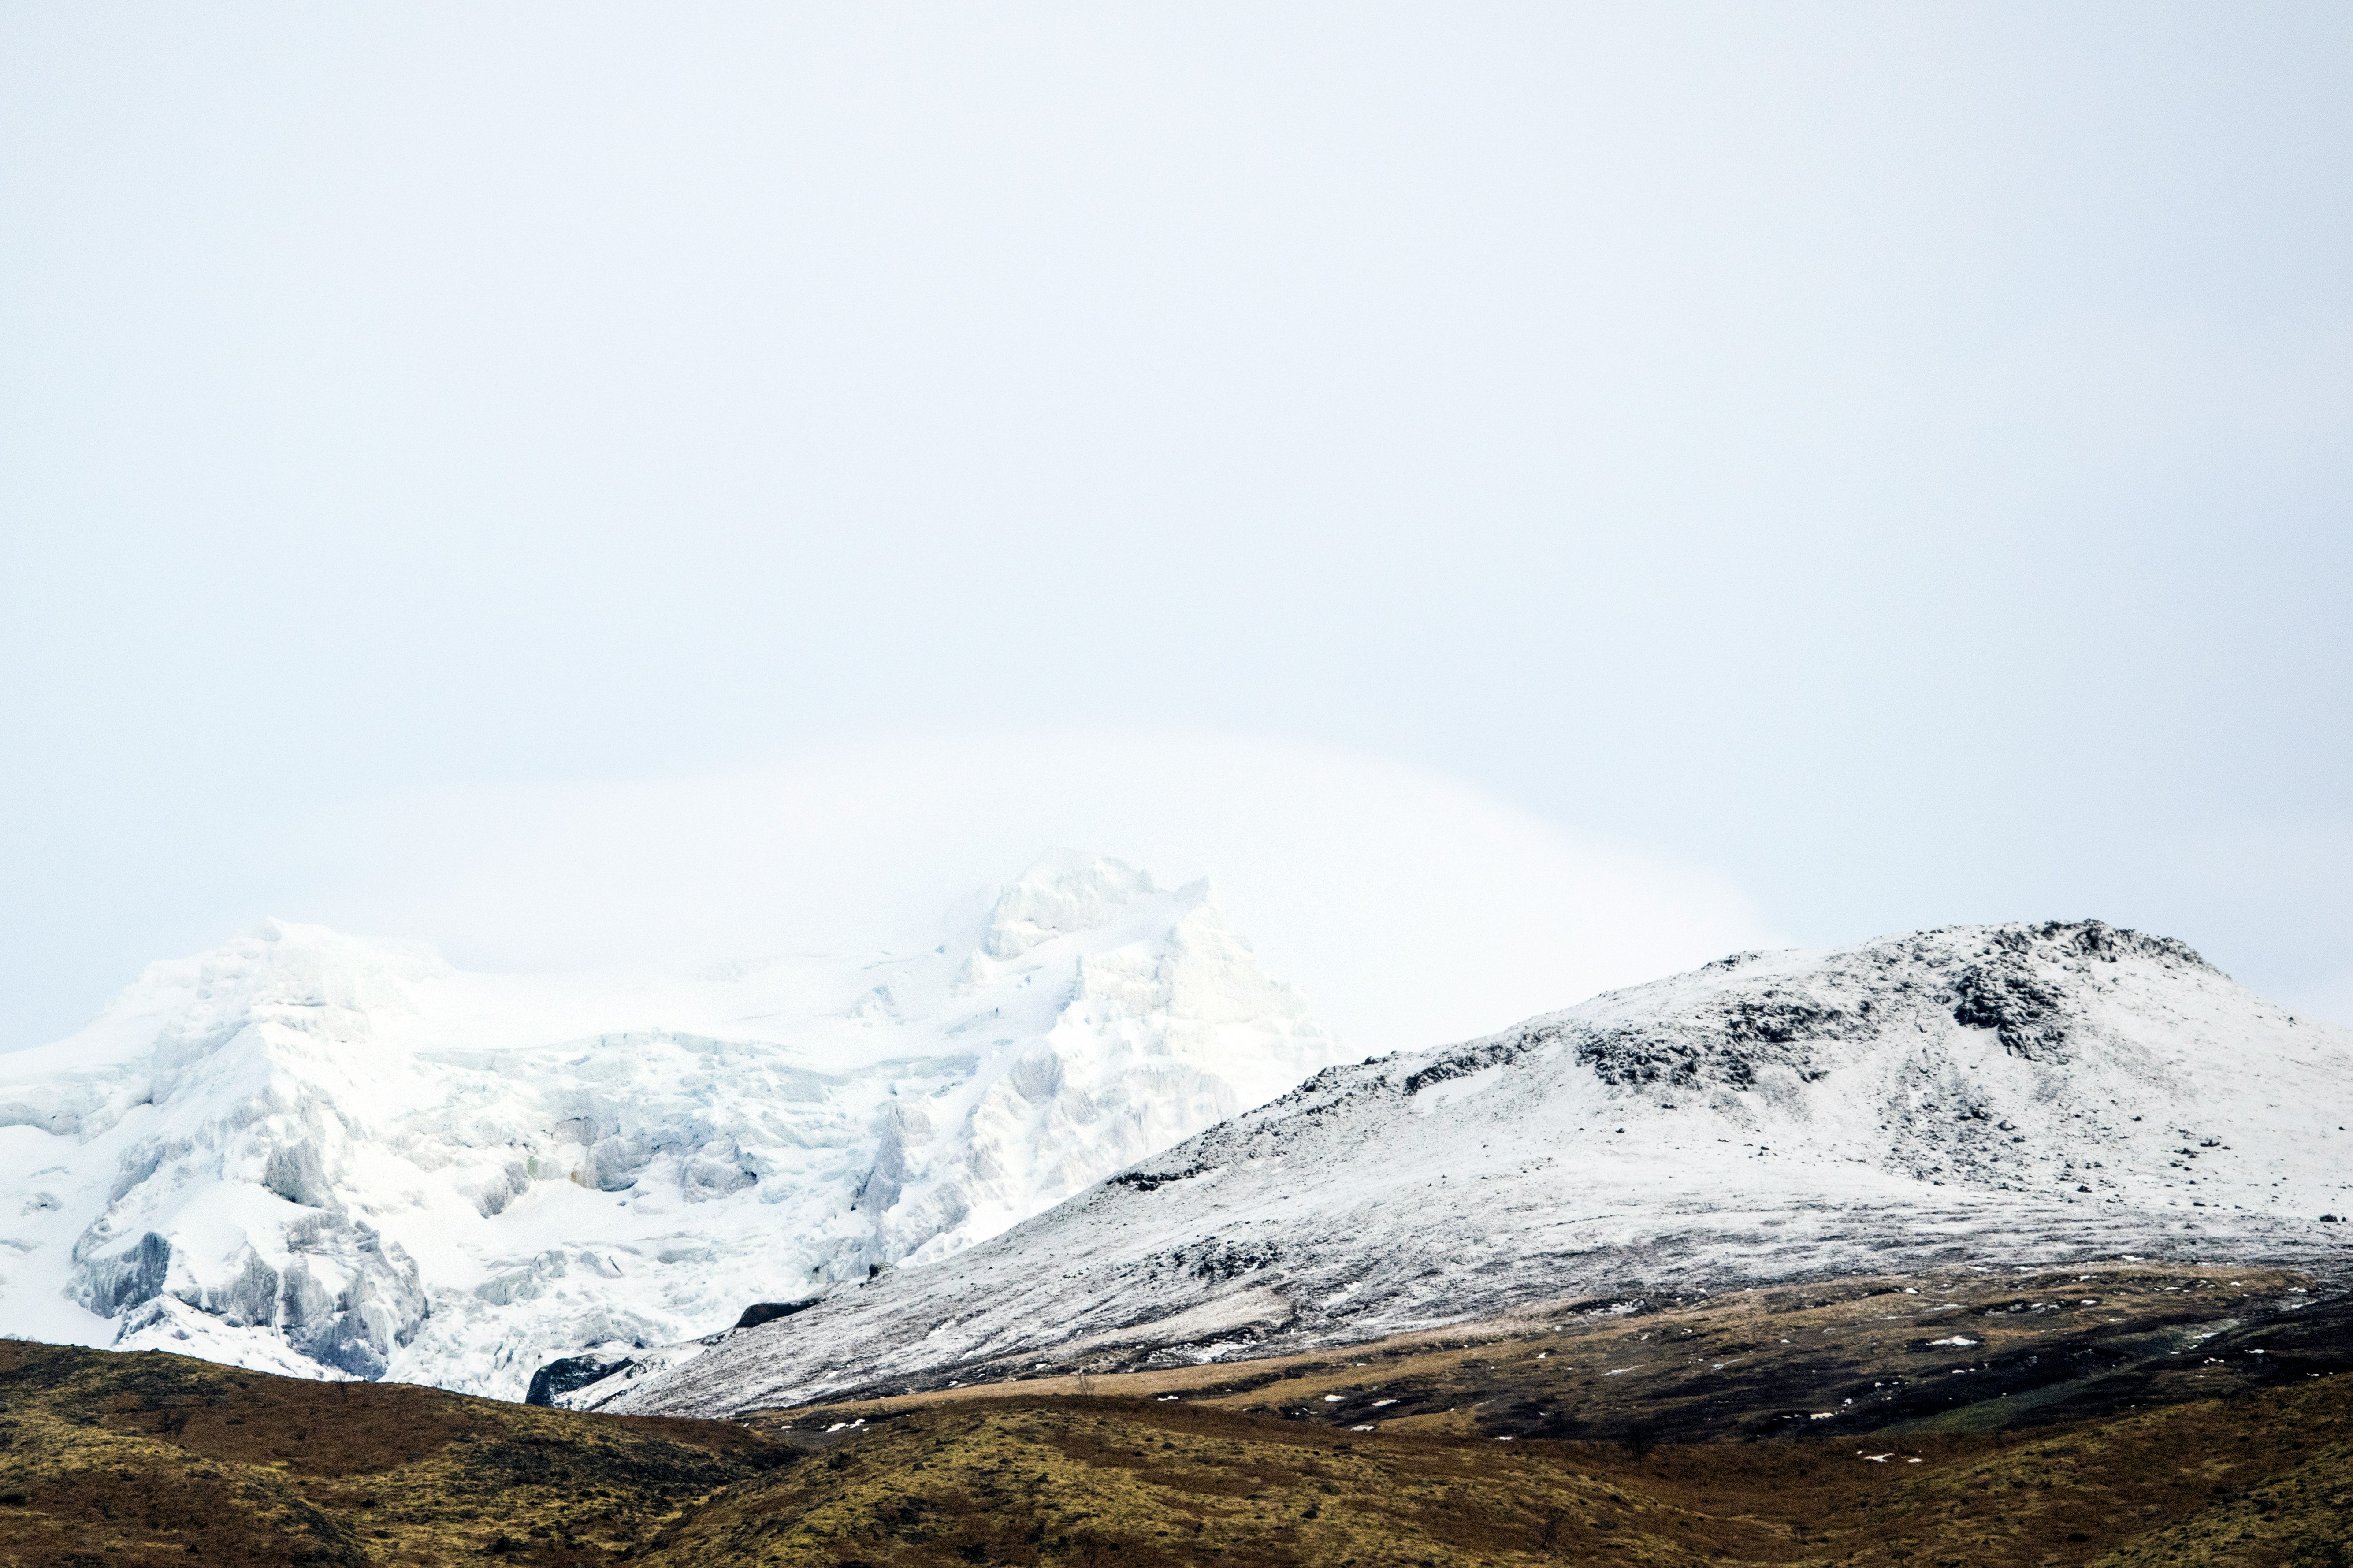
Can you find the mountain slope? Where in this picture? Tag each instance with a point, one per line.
(2035, 1092)
(314, 1155)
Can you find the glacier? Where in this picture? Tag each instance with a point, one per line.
(1976, 1096)
(312, 1154)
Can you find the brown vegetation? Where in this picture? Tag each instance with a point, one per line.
(1835, 1357)
(2145, 1434)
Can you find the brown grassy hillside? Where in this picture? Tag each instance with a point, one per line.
(2147, 1433)
(1968, 1347)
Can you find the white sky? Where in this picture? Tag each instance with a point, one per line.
(1413, 907)
(1653, 472)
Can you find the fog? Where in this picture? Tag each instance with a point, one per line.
(1411, 908)
(1516, 494)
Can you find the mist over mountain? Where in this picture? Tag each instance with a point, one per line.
(1077, 1126)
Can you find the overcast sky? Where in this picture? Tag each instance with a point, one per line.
(1650, 476)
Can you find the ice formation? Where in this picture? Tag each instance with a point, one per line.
(312, 1154)
(2009, 1095)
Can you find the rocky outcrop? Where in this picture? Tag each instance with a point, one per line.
(760, 1312)
(573, 1371)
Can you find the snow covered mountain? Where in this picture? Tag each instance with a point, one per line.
(311, 1153)
(2026, 1093)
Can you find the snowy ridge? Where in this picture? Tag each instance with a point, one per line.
(2034, 1093)
(311, 1153)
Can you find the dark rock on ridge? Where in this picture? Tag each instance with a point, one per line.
(760, 1312)
(560, 1377)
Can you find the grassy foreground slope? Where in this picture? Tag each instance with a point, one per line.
(145, 1458)
(2268, 1480)
(2076, 1440)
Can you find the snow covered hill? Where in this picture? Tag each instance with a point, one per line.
(311, 1153)
(2026, 1093)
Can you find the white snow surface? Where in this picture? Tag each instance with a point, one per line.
(310, 1153)
(2004, 1095)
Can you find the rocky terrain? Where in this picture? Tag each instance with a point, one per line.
(2006, 1095)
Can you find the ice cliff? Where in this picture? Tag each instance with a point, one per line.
(313, 1153)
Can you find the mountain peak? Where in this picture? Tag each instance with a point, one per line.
(2022, 1093)
(307, 1148)
(1064, 892)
